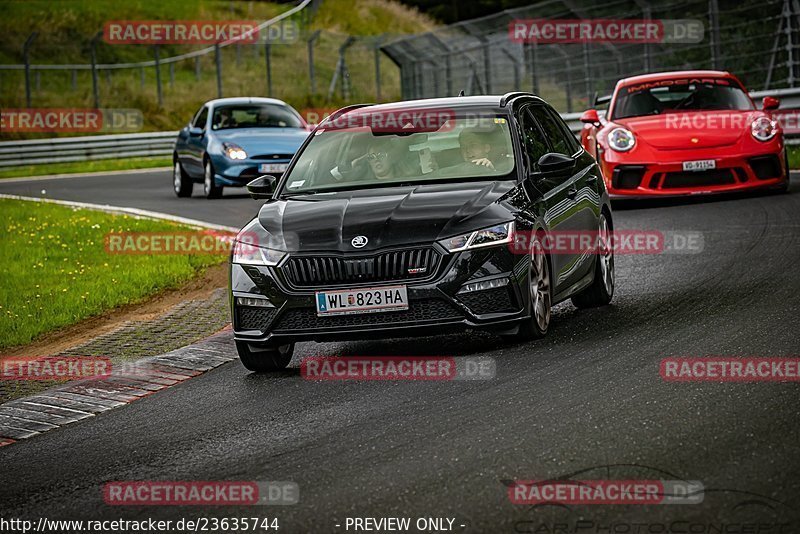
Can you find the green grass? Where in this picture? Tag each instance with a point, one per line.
(794, 157)
(86, 166)
(57, 272)
(66, 27)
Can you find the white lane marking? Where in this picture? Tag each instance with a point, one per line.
(82, 175)
(120, 210)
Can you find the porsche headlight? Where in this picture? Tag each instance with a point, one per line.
(249, 254)
(621, 139)
(234, 151)
(486, 237)
(764, 129)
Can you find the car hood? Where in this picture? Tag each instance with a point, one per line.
(387, 217)
(692, 129)
(258, 141)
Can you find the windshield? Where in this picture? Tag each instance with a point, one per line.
(368, 150)
(254, 116)
(667, 96)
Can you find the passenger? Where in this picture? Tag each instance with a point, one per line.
(475, 147)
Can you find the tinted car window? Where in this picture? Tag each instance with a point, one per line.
(200, 119)
(254, 116)
(366, 149)
(570, 138)
(673, 96)
(535, 143)
(553, 131)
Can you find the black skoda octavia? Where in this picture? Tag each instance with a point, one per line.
(421, 217)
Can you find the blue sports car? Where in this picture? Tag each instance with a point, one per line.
(230, 141)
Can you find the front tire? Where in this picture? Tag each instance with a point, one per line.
(540, 296)
(210, 188)
(266, 360)
(181, 182)
(601, 291)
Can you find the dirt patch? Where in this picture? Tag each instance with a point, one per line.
(55, 342)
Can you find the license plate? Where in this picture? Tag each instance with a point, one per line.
(367, 300)
(273, 167)
(699, 165)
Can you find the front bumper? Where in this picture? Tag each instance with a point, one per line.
(435, 306)
(665, 177)
(239, 173)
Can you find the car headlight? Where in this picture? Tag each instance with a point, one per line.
(234, 151)
(249, 254)
(764, 129)
(621, 139)
(486, 237)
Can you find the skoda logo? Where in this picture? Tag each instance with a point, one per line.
(359, 241)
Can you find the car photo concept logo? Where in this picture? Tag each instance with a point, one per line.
(359, 241)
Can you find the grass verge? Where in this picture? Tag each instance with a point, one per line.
(794, 157)
(57, 271)
(86, 166)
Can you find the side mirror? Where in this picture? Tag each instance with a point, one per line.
(262, 187)
(194, 131)
(590, 116)
(770, 103)
(554, 163)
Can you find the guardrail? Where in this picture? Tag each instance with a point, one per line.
(68, 149)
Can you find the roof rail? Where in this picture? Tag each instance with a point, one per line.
(511, 95)
(342, 111)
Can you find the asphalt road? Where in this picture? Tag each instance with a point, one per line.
(588, 398)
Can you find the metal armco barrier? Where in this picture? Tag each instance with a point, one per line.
(66, 149)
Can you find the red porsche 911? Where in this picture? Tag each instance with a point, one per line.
(685, 133)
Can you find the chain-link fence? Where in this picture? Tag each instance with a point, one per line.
(314, 70)
(757, 40)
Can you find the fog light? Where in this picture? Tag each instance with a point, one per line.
(480, 286)
(257, 302)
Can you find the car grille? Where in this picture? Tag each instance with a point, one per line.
(488, 301)
(394, 266)
(420, 311)
(674, 180)
(253, 318)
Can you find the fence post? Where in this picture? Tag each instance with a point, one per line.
(157, 57)
(587, 72)
(648, 14)
(789, 43)
(95, 88)
(218, 61)
(25, 56)
(310, 45)
(377, 54)
(713, 19)
(268, 61)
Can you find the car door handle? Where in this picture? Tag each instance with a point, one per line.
(591, 179)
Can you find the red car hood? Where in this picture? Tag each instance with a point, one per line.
(693, 129)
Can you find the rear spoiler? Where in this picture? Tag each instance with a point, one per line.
(605, 99)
